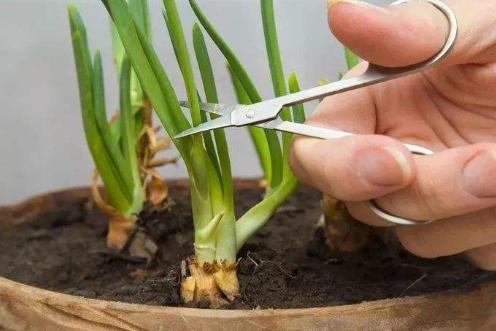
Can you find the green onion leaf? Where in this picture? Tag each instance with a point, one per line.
(257, 135)
(275, 154)
(276, 70)
(298, 109)
(128, 133)
(111, 144)
(102, 159)
(351, 59)
(226, 237)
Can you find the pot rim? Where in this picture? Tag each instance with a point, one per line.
(56, 298)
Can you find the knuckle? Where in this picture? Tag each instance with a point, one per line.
(412, 241)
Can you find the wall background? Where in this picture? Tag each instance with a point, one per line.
(41, 138)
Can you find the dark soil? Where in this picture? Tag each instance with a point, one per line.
(286, 265)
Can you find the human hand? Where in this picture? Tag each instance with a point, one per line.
(450, 109)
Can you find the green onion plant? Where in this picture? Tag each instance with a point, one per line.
(124, 148)
(210, 274)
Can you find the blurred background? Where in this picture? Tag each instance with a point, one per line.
(42, 144)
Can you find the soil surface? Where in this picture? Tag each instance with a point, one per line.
(286, 265)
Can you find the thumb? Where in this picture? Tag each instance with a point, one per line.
(412, 32)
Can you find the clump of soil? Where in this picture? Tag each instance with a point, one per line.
(286, 265)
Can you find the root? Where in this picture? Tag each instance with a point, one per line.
(343, 232)
(119, 230)
(215, 283)
(263, 183)
(120, 227)
(227, 280)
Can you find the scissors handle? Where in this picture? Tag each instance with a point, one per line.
(326, 133)
(377, 74)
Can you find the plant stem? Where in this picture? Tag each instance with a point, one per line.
(226, 236)
(111, 144)
(96, 145)
(128, 135)
(276, 69)
(258, 215)
(298, 109)
(257, 135)
(275, 153)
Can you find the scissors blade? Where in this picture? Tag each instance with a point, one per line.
(218, 123)
(214, 108)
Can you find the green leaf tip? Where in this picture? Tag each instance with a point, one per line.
(351, 59)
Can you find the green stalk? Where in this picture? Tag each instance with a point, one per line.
(174, 121)
(95, 142)
(150, 72)
(178, 40)
(276, 70)
(210, 146)
(212, 186)
(226, 236)
(275, 154)
(257, 216)
(171, 115)
(256, 134)
(117, 49)
(298, 109)
(118, 55)
(111, 144)
(141, 14)
(273, 52)
(210, 90)
(209, 86)
(164, 100)
(128, 134)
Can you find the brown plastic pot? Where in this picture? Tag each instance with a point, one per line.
(25, 307)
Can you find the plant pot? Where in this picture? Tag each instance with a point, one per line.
(25, 307)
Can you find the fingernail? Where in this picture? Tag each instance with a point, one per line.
(384, 167)
(479, 175)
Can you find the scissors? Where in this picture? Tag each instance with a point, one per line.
(265, 114)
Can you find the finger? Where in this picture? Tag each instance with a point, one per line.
(483, 257)
(412, 32)
(450, 236)
(449, 183)
(352, 111)
(354, 168)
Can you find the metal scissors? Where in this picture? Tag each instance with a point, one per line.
(264, 114)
